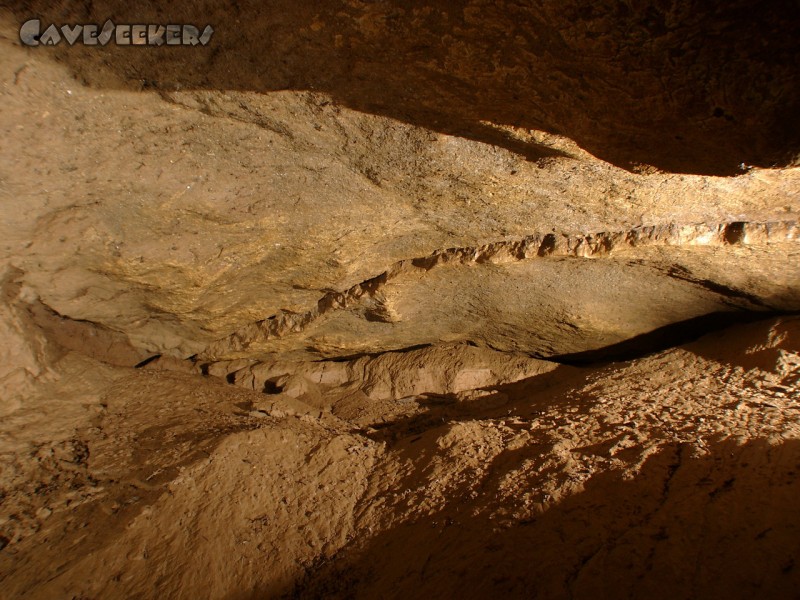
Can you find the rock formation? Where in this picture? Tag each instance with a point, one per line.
(402, 299)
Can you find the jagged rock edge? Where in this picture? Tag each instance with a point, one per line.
(506, 251)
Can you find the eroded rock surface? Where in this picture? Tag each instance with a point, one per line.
(391, 299)
(120, 482)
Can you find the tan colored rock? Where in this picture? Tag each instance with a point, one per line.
(205, 211)
(375, 299)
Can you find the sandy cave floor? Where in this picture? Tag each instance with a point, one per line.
(673, 475)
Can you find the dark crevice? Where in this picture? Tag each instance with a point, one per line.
(271, 387)
(663, 338)
(734, 233)
(718, 288)
(598, 244)
(358, 355)
(147, 361)
(548, 245)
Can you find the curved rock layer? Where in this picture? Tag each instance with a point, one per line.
(406, 285)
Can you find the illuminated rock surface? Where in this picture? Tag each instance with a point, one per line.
(385, 299)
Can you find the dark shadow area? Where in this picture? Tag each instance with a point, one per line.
(350, 357)
(722, 524)
(271, 387)
(684, 85)
(669, 336)
(147, 361)
(523, 399)
(756, 346)
(711, 337)
(745, 345)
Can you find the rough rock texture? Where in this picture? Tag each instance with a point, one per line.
(646, 478)
(402, 299)
(180, 216)
(550, 307)
(682, 85)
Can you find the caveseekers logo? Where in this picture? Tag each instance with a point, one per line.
(31, 34)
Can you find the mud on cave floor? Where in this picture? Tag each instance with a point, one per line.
(646, 478)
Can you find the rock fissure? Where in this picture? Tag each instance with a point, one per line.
(735, 233)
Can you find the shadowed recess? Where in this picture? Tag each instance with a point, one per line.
(674, 334)
(683, 85)
(617, 537)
